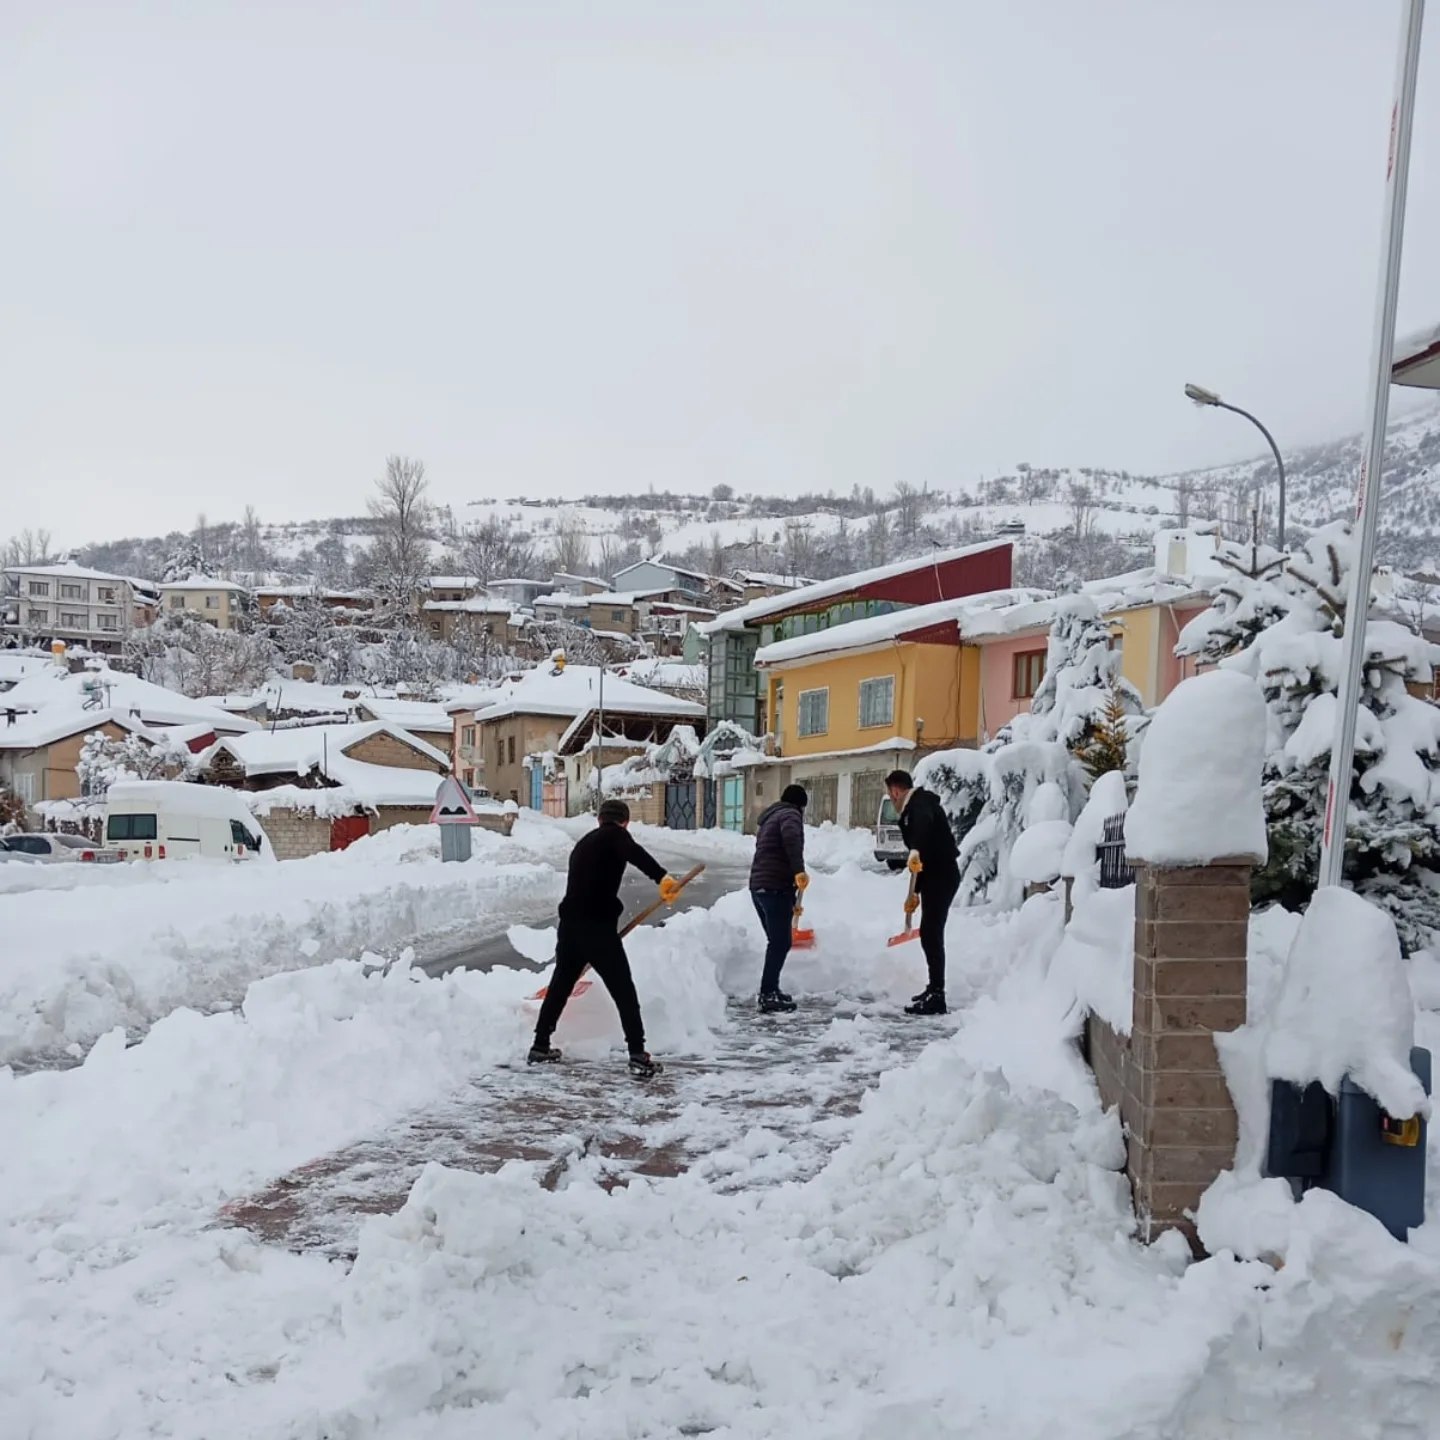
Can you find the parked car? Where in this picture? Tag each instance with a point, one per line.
(889, 847)
(59, 849)
(174, 820)
(18, 857)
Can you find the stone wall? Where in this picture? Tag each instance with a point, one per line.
(1191, 928)
(296, 833)
(390, 815)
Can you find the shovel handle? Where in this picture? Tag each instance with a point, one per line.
(643, 915)
(909, 896)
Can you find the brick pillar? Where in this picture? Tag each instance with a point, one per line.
(1191, 929)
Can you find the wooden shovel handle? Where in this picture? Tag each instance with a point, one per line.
(649, 910)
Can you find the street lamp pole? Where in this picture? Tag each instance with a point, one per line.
(1201, 396)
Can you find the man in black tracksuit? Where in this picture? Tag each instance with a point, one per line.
(776, 873)
(925, 829)
(588, 935)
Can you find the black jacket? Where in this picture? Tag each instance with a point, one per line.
(597, 866)
(779, 848)
(924, 826)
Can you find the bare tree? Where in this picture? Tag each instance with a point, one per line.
(400, 556)
(910, 506)
(1184, 495)
(1082, 509)
(29, 547)
(252, 546)
(571, 551)
(879, 539)
(716, 555)
(799, 548)
(492, 551)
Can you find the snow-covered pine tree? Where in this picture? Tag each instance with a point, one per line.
(104, 760)
(184, 560)
(1393, 832)
(1250, 599)
(1108, 747)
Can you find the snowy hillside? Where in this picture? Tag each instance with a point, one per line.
(1089, 521)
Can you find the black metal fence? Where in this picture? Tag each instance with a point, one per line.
(1115, 874)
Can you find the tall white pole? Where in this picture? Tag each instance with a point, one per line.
(600, 741)
(1367, 490)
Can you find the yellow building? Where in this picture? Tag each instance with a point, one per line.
(214, 601)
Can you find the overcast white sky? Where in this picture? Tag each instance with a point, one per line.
(559, 247)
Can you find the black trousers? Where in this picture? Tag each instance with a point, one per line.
(937, 894)
(578, 944)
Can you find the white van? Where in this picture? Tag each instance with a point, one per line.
(172, 820)
(889, 847)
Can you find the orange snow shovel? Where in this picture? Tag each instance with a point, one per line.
(911, 905)
(581, 986)
(800, 939)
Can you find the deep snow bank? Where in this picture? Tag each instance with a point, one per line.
(87, 948)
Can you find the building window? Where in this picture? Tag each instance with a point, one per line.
(72, 592)
(1029, 671)
(107, 595)
(212, 602)
(467, 736)
(512, 749)
(813, 712)
(617, 614)
(37, 617)
(469, 779)
(177, 602)
(24, 783)
(877, 701)
(108, 622)
(74, 621)
(38, 587)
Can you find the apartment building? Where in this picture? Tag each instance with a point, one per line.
(45, 603)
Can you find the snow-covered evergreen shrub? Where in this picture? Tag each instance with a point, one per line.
(1392, 843)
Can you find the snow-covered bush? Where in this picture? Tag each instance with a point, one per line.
(1082, 701)
(1392, 844)
(103, 761)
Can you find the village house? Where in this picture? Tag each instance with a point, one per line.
(851, 702)
(346, 604)
(325, 786)
(531, 712)
(47, 715)
(217, 602)
(734, 637)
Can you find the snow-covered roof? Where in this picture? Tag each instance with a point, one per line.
(563, 600)
(765, 577)
(320, 592)
(71, 571)
(320, 750)
(200, 582)
(576, 691)
(661, 563)
(35, 730)
(408, 714)
(472, 605)
(810, 595)
(882, 629)
(453, 582)
(665, 674)
(58, 694)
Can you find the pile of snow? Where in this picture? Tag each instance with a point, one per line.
(136, 941)
(1081, 861)
(1345, 1007)
(1199, 791)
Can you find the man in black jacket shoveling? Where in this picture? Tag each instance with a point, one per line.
(776, 873)
(925, 829)
(588, 935)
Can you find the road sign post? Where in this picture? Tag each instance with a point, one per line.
(454, 814)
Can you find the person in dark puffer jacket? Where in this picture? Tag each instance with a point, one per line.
(776, 873)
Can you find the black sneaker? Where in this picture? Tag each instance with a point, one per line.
(543, 1055)
(776, 1002)
(932, 1002)
(643, 1065)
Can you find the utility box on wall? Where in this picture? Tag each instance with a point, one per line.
(1350, 1146)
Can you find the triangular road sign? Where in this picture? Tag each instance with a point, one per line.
(452, 805)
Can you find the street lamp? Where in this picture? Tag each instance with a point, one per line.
(1201, 396)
